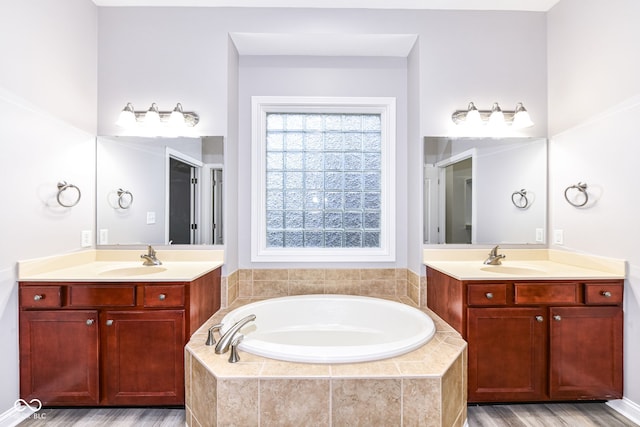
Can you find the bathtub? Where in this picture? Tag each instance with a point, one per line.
(331, 328)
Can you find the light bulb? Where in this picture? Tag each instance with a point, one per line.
(496, 119)
(127, 116)
(177, 116)
(152, 116)
(473, 116)
(521, 118)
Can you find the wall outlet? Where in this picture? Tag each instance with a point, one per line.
(539, 235)
(85, 240)
(151, 217)
(103, 238)
(558, 237)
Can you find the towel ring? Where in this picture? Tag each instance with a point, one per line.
(123, 201)
(62, 187)
(582, 188)
(522, 202)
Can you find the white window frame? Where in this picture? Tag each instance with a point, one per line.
(260, 107)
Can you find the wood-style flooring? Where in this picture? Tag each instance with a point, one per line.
(526, 415)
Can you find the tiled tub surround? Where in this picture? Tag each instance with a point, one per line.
(425, 387)
(267, 283)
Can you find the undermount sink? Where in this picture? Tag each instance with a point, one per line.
(133, 271)
(505, 269)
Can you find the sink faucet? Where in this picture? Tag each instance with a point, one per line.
(226, 340)
(150, 257)
(494, 257)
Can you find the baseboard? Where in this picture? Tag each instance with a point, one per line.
(627, 408)
(12, 417)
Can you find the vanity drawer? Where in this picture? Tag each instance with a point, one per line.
(602, 293)
(546, 293)
(487, 294)
(102, 296)
(164, 296)
(40, 296)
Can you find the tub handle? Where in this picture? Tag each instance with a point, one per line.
(210, 338)
(234, 357)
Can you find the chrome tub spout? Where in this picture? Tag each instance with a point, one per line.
(226, 340)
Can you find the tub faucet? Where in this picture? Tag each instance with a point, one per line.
(494, 257)
(226, 340)
(150, 257)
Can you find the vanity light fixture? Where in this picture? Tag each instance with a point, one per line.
(517, 118)
(153, 117)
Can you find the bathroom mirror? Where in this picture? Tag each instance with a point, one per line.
(154, 190)
(484, 190)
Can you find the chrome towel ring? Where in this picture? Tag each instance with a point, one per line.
(125, 198)
(62, 187)
(582, 188)
(522, 202)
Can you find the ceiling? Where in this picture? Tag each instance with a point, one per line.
(521, 5)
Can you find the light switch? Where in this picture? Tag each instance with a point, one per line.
(558, 237)
(539, 235)
(104, 237)
(86, 238)
(151, 217)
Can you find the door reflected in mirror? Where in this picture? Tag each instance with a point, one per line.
(172, 188)
(472, 190)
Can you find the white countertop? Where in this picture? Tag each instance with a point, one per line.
(120, 266)
(523, 264)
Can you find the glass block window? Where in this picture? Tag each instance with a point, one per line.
(323, 182)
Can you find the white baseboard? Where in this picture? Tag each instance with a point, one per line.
(627, 408)
(12, 417)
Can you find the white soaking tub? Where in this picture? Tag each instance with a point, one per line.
(330, 328)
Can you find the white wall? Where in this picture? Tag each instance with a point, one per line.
(188, 58)
(594, 118)
(48, 96)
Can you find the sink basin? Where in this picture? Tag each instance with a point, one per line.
(133, 271)
(506, 269)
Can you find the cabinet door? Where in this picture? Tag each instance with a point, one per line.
(507, 354)
(59, 357)
(586, 353)
(144, 357)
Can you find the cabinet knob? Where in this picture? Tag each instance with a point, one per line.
(38, 297)
(109, 322)
(606, 294)
(557, 317)
(540, 318)
(162, 297)
(89, 322)
(489, 295)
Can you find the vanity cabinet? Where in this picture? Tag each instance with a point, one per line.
(110, 344)
(535, 340)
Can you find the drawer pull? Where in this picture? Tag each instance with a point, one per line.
(162, 297)
(109, 322)
(89, 322)
(540, 318)
(38, 297)
(489, 295)
(557, 317)
(606, 294)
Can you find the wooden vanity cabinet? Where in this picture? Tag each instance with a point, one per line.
(110, 344)
(535, 340)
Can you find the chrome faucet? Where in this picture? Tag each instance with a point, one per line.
(150, 257)
(494, 257)
(226, 340)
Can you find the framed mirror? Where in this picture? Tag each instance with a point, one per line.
(162, 191)
(484, 190)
